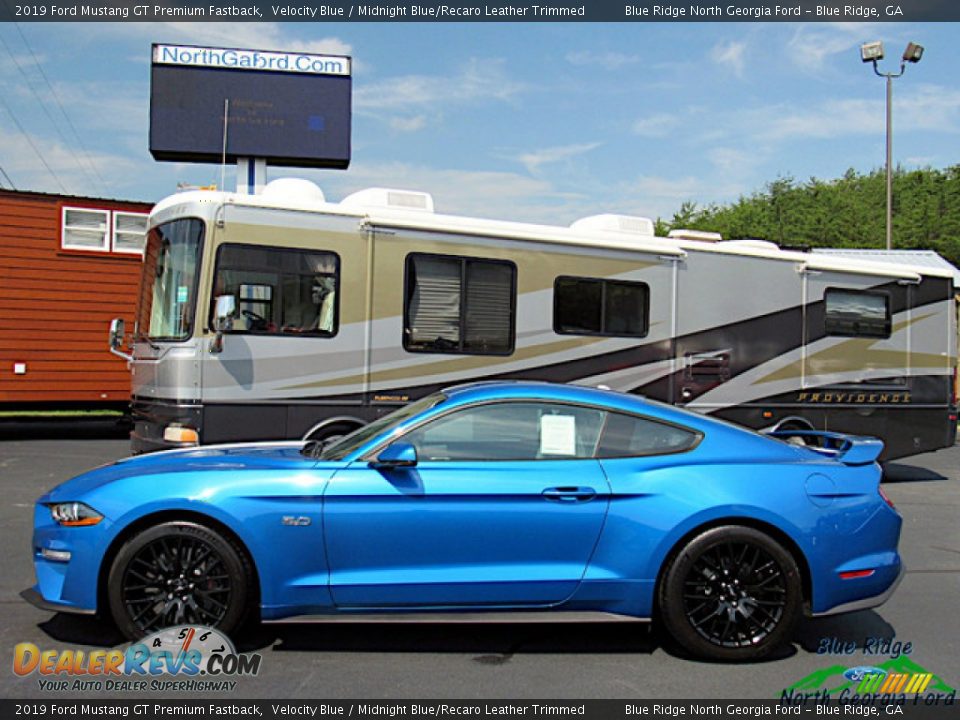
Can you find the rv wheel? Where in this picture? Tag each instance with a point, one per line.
(331, 433)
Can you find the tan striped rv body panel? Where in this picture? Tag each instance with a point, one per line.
(737, 329)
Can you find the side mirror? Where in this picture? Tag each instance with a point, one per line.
(117, 333)
(397, 455)
(222, 320)
(226, 306)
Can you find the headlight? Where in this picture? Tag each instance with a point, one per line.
(74, 514)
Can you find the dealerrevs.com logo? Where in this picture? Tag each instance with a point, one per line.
(188, 658)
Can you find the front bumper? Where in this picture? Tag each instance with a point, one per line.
(152, 417)
(33, 596)
(66, 585)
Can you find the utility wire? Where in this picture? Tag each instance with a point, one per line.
(32, 145)
(9, 181)
(66, 117)
(46, 110)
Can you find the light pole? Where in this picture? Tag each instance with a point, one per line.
(872, 52)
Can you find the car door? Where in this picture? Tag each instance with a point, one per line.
(503, 508)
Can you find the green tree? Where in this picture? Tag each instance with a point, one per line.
(847, 212)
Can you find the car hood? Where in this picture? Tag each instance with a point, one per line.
(215, 458)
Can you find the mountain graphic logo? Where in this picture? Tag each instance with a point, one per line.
(899, 675)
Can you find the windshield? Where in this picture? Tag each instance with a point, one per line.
(169, 289)
(348, 443)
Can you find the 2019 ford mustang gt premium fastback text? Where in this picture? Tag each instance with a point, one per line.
(487, 499)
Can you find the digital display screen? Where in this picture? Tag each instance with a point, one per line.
(287, 118)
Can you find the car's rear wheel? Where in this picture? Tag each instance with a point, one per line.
(732, 593)
(179, 573)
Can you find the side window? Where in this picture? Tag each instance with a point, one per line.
(631, 436)
(103, 230)
(510, 431)
(586, 306)
(852, 313)
(85, 229)
(129, 232)
(280, 291)
(459, 305)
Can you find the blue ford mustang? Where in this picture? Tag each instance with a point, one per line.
(527, 499)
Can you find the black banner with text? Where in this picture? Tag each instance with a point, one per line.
(484, 11)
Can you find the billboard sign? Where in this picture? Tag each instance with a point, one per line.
(287, 108)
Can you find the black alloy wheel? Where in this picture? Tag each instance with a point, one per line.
(732, 593)
(178, 573)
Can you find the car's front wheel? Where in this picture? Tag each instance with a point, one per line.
(732, 593)
(179, 572)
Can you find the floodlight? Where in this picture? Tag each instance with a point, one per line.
(872, 51)
(913, 53)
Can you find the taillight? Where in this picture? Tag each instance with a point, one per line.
(956, 387)
(887, 500)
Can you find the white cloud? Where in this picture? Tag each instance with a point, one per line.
(411, 102)
(657, 196)
(254, 35)
(477, 80)
(607, 60)
(25, 61)
(69, 170)
(476, 193)
(655, 126)
(929, 108)
(654, 189)
(813, 44)
(751, 134)
(732, 162)
(731, 55)
(408, 124)
(261, 36)
(535, 159)
(106, 109)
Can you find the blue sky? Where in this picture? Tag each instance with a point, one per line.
(532, 122)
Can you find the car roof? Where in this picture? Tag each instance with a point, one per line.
(538, 390)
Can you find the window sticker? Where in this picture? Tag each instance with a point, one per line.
(558, 435)
(182, 293)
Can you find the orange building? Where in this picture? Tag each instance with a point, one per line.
(68, 265)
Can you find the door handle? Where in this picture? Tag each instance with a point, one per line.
(570, 494)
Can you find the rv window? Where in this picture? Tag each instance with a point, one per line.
(850, 313)
(279, 291)
(587, 306)
(459, 305)
(171, 269)
(630, 436)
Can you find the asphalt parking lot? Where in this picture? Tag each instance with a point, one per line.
(511, 661)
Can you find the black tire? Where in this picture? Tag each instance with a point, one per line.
(733, 593)
(179, 573)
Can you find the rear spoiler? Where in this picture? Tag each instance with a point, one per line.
(848, 449)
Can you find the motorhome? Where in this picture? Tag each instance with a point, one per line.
(283, 315)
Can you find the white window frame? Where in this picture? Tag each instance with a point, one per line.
(105, 246)
(115, 232)
(109, 244)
